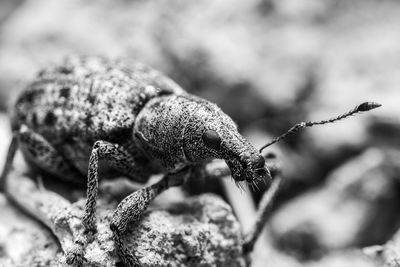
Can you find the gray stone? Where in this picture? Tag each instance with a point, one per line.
(200, 231)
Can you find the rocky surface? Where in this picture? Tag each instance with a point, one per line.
(357, 207)
(201, 231)
(388, 254)
(23, 241)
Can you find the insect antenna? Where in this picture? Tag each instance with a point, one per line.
(366, 106)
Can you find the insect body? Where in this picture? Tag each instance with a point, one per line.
(90, 110)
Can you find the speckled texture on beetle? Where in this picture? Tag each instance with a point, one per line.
(91, 110)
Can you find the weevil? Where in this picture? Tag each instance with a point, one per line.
(127, 118)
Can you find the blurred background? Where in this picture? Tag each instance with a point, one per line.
(268, 64)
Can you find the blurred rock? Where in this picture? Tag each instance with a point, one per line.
(346, 258)
(385, 132)
(7, 8)
(358, 206)
(360, 63)
(228, 47)
(343, 258)
(23, 241)
(388, 255)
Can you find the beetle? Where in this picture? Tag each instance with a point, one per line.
(91, 109)
(91, 113)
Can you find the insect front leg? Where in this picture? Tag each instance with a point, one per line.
(220, 170)
(132, 207)
(118, 158)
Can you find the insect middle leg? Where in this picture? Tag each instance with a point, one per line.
(118, 158)
(132, 207)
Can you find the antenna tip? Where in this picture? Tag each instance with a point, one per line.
(368, 106)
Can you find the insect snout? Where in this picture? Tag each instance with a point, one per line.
(259, 162)
(253, 162)
(254, 168)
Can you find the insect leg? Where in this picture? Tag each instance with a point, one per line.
(218, 170)
(132, 207)
(118, 158)
(262, 215)
(8, 163)
(39, 151)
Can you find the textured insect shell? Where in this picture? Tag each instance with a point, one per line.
(86, 99)
(170, 129)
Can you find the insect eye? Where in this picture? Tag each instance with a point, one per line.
(211, 139)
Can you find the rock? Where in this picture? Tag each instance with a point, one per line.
(354, 66)
(357, 206)
(198, 49)
(346, 258)
(388, 254)
(201, 231)
(23, 241)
